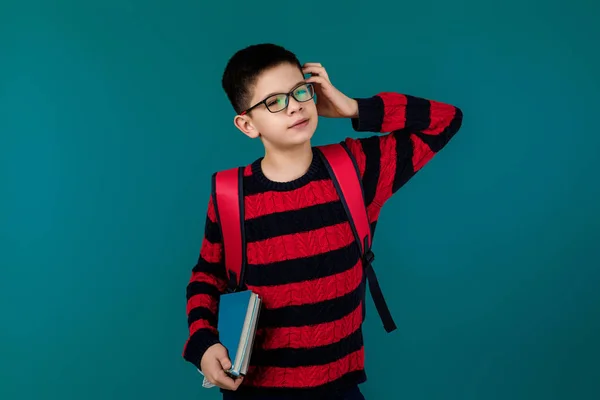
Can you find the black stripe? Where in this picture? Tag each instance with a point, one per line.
(404, 165)
(417, 113)
(212, 231)
(312, 314)
(348, 380)
(372, 167)
(201, 340)
(373, 228)
(254, 186)
(437, 142)
(295, 221)
(326, 391)
(372, 111)
(215, 269)
(194, 288)
(303, 269)
(199, 313)
(321, 355)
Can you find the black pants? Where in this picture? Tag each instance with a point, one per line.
(350, 394)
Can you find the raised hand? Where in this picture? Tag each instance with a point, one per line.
(330, 101)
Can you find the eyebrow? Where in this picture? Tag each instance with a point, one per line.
(293, 87)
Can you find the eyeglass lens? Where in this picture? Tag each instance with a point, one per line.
(280, 101)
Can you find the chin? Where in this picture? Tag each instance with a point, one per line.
(303, 135)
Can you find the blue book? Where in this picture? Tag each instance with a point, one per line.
(237, 321)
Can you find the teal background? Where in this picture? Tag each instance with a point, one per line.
(112, 119)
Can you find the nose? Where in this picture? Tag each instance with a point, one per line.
(293, 105)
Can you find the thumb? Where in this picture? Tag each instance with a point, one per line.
(224, 359)
(225, 362)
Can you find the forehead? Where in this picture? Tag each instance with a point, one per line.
(279, 79)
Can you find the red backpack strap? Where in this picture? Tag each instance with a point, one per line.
(228, 199)
(345, 174)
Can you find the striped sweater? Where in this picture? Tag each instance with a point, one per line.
(302, 258)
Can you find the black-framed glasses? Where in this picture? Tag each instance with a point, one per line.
(279, 102)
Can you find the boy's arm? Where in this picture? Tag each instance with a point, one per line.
(207, 283)
(419, 129)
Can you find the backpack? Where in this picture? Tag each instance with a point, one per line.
(228, 200)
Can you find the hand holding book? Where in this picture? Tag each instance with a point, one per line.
(225, 364)
(214, 365)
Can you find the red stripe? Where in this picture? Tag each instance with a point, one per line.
(212, 216)
(373, 210)
(305, 377)
(441, 115)
(394, 116)
(357, 151)
(297, 245)
(201, 300)
(211, 252)
(314, 193)
(312, 336)
(202, 324)
(387, 169)
(310, 292)
(203, 277)
(422, 153)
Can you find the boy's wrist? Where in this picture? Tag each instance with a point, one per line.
(354, 109)
(197, 347)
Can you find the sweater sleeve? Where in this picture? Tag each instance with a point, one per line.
(207, 283)
(416, 129)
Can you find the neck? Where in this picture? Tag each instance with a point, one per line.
(288, 164)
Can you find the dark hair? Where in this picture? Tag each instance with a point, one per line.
(246, 65)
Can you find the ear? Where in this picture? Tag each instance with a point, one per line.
(244, 124)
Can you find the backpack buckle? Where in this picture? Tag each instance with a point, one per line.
(369, 256)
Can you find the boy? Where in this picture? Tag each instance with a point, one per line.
(301, 255)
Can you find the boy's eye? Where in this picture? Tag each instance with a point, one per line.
(302, 92)
(274, 101)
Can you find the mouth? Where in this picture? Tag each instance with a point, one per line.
(300, 123)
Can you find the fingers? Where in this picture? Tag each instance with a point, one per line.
(225, 363)
(315, 69)
(214, 363)
(318, 79)
(216, 373)
(222, 380)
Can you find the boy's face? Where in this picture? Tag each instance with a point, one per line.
(290, 127)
